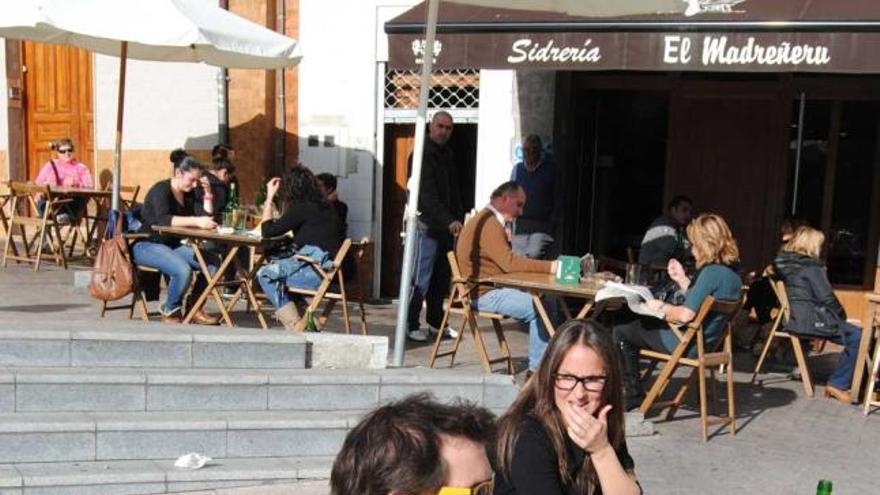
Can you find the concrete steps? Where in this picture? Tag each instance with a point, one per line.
(150, 477)
(106, 408)
(35, 390)
(73, 437)
(153, 347)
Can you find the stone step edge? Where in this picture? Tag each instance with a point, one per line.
(152, 421)
(246, 376)
(217, 473)
(160, 334)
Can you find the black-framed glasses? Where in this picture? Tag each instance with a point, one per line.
(65, 150)
(591, 383)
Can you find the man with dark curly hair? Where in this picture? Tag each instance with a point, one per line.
(417, 446)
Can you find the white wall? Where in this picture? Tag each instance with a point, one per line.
(167, 105)
(337, 96)
(4, 118)
(513, 104)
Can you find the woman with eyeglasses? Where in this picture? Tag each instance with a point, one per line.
(564, 434)
(64, 170)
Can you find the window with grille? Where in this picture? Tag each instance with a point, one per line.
(449, 89)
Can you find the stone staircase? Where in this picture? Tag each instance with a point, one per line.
(106, 408)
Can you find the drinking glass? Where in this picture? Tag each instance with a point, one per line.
(633, 273)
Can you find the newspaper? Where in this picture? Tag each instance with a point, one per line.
(636, 297)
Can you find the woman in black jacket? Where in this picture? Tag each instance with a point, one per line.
(316, 233)
(815, 310)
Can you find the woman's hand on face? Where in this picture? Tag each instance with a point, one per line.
(272, 187)
(675, 270)
(206, 223)
(205, 183)
(586, 431)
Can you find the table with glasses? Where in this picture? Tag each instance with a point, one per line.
(244, 276)
(538, 284)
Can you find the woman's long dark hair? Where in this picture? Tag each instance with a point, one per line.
(536, 401)
(299, 185)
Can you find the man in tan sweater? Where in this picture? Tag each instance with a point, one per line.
(483, 250)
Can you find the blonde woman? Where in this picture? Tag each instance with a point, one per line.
(717, 256)
(815, 310)
(564, 434)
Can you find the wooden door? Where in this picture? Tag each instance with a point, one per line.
(399, 143)
(727, 152)
(59, 102)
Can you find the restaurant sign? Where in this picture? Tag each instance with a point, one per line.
(738, 51)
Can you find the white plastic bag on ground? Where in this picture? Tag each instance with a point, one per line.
(192, 461)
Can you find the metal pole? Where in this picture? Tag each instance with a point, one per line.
(797, 155)
(412, 204)
(281, 90)
(120, 107)
(223, 97)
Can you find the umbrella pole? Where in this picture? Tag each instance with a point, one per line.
(120, 107)
(412, 205)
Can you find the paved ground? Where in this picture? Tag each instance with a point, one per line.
(785, 442)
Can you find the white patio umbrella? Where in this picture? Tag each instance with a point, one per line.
(585, 8)
(159, 30)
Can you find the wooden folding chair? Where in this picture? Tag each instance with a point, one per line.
(871, 397)
(358, 293)
(46, 229)
(5, 200)
(693, 336)
(323, 292)
(460, 304)
(137, 297)
(97, 223)
(777, 331)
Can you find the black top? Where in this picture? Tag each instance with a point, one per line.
(312, 224)
(440, 192)
(221, 196)
(160, 206)
(815, 310)
(535, 470)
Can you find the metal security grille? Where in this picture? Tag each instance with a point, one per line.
(449, 89)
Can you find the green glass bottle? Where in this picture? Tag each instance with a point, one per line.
(824, 487)
(311, 326)
(232, 202)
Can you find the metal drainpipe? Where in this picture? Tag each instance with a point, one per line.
(223, 97)
(281, 108)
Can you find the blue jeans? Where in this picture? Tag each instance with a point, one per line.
(849, 338)
(430, 280)
(278, 275)
(176, 265)
(518, 305)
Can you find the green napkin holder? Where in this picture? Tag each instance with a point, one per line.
(568, 270)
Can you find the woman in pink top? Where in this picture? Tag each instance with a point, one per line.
(65, 171)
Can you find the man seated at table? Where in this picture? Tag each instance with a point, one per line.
(665, 237)
(483, 250)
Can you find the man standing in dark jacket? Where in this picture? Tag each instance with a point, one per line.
(440, 216)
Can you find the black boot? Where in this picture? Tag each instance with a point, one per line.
(634, 394)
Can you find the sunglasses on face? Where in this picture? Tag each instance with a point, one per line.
(483, 488)
(64, 151)
(592, 383)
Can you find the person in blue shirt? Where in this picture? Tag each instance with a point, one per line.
(535, 230)
(716, 252)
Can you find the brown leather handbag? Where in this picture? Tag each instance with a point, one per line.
(113, 273)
